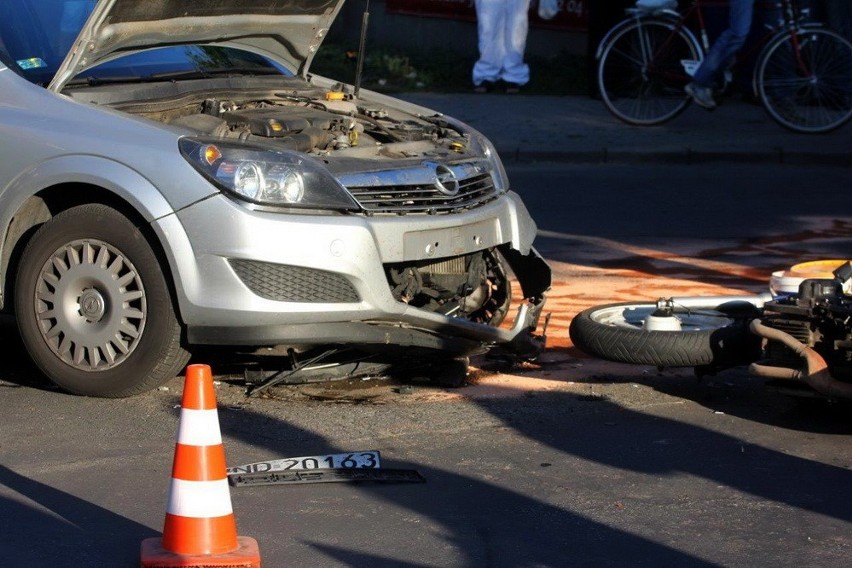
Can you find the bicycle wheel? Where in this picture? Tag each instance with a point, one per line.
(641, 71)
(616, 332)
(807, 89)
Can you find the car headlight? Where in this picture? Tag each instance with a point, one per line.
(264, 176)
(486, 148)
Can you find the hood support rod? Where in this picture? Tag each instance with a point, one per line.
(361, 48)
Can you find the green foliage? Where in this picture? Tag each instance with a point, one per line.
(441, 70)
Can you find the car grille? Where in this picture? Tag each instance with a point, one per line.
(424, 198)
(284, 283)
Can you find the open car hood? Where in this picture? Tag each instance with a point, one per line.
(287, 31)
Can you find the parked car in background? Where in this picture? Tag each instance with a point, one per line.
(172, 176)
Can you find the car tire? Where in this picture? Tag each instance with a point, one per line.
(93, 307)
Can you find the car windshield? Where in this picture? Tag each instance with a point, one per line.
(36, 35)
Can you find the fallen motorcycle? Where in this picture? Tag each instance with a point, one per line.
(798, 340)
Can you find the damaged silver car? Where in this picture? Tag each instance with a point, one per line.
(172, 176)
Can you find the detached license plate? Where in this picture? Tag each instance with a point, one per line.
(370, 459)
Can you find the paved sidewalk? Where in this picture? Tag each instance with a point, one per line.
(579, 129)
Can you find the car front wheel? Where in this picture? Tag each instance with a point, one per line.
(93, 308)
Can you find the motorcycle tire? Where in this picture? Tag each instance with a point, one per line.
(708, 338)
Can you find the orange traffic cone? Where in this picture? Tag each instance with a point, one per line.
(200, 529)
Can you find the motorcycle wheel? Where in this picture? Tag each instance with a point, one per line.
(707, 337)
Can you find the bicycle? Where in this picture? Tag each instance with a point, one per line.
(802, 75)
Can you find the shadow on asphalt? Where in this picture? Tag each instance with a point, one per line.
(516, 530)
(731, 391)
(49, 527)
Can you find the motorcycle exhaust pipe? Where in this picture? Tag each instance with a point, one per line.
(815, 373)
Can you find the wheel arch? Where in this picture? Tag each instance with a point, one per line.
(34, 198)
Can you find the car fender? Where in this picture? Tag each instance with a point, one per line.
(119, 179)
(113, 176)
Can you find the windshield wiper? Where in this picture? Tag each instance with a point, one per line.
(93, 81)
(207, 73)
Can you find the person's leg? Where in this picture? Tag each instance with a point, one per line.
(728, 43)
(489, 24)
(515, 71)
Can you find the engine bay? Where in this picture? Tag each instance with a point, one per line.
(299, 117)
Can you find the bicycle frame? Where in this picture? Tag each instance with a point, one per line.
(691, 21)
(801, 73)
(790, 24)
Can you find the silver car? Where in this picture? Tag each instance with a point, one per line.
(173, 176)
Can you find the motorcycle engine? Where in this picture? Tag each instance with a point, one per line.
(819, 316)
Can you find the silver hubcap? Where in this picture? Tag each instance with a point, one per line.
(90, 305)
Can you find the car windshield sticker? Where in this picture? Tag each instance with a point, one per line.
(31, 63)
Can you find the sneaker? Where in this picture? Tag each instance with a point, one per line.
(703, 96)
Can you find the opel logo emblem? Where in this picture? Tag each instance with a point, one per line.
(445, 180)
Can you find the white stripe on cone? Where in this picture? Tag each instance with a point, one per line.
(199, 498)
(199, 428)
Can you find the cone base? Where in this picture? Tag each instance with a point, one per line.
(247, 555)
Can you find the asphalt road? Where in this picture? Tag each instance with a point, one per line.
(567, 461)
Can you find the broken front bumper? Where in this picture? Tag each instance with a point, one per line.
(336, 289)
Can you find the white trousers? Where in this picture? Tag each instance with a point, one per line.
(502, 26)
